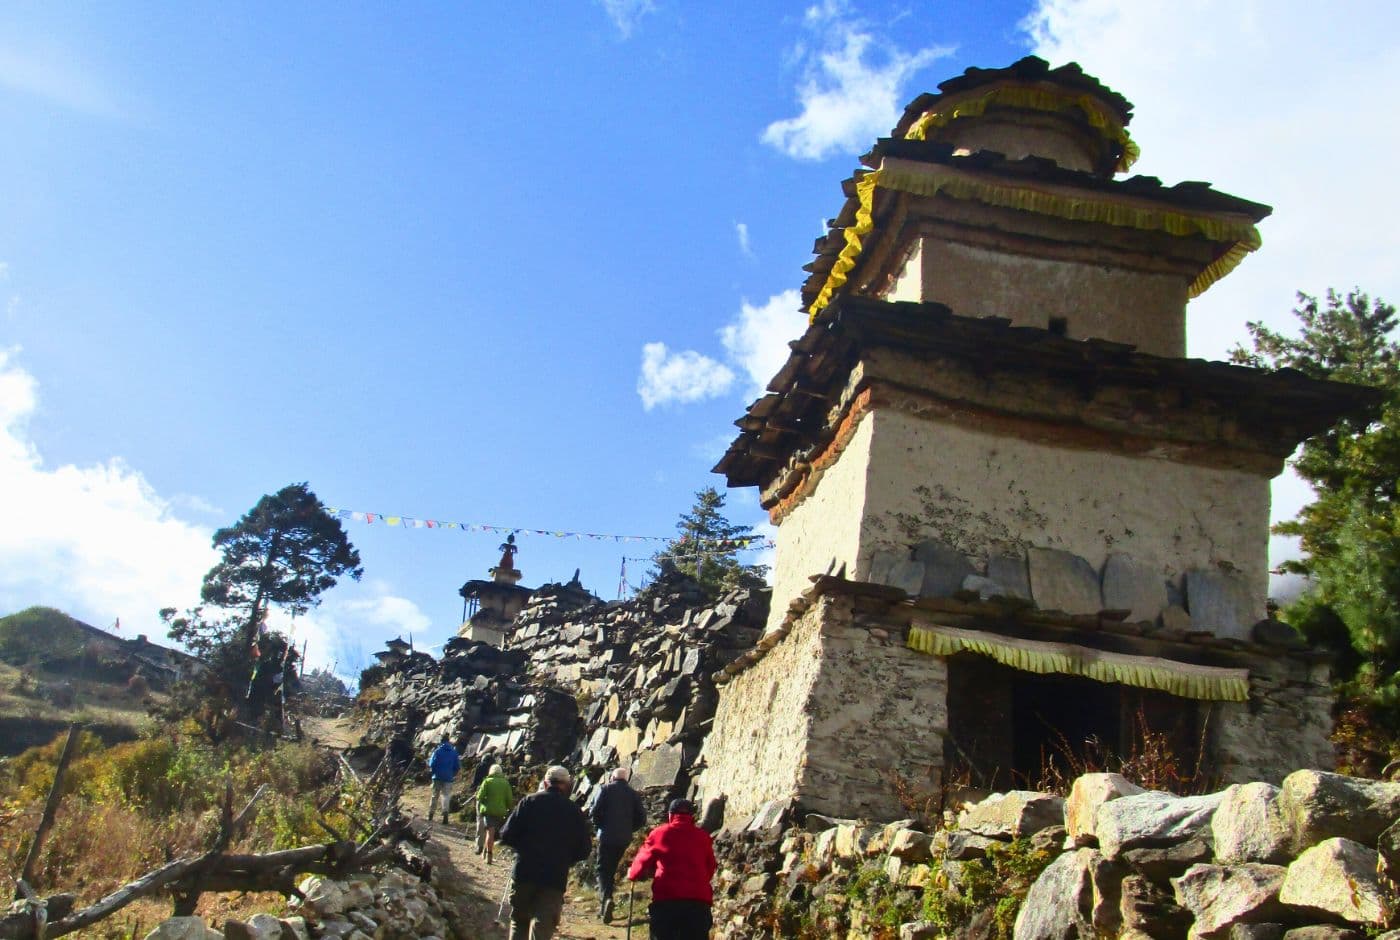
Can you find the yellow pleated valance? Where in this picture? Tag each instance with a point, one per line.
(1208, 683)
(928, 180)
(1037, 99)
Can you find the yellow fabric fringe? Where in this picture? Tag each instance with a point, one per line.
(930, 180)
(1208, 683)
(1037, 99)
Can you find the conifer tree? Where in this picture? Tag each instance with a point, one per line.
(708, 545)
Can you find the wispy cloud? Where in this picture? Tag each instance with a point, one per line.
(680, 377)
(627, 14)
(741, 230)
(851, 86)
(55, 75)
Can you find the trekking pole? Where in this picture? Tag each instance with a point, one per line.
(500, 911)
(631, 890)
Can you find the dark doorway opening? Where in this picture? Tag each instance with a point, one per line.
(1008, 728)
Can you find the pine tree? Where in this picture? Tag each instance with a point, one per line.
(708, 546)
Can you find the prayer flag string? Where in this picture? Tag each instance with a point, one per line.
(743, 543)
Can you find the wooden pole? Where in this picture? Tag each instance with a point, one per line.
(50, 806)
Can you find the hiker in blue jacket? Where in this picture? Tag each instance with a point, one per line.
(444, 764)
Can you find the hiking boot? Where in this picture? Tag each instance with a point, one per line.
(444, 819)
(607, 910)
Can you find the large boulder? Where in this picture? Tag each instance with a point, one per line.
(184, 928)
(1059, 906)
(322, 895)
(1153, 819)
(1249, 827)
(1090, 791)
(1317, 805)
(1014, 815)
(1337, 878)
(1219, 896)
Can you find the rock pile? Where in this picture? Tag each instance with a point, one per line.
(589, 684)
(642, 669)
(389, 906)
(1308, 859)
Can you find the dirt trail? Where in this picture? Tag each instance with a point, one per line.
(477, 888)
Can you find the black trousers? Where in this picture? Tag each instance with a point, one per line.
(680, 920)
(609, 855)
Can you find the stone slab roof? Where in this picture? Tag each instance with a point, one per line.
(794, 414)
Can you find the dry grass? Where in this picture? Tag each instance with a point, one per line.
(92, 702)
(133, 807)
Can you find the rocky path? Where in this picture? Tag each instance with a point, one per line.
(464, 879)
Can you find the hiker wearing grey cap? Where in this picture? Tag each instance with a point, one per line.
(617, 813)
(549, 834)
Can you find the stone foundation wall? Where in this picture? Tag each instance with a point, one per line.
(825, 717)
(877, 707)
(1284, 725)
(755, 749)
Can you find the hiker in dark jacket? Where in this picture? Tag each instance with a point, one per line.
(444, 764)
(617, 813)
(549, 833)
(681, 858)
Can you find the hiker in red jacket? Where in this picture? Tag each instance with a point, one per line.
(681, 858)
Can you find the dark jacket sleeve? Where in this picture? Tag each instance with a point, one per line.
(639, 811)
(513, 830)
(598, 811)
(584, 841)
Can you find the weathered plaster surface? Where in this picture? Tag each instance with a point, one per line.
(982, 493)
(1145, 309)
(823, 531)
(825, 717)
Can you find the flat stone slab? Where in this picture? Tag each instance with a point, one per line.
(1221, 603)
(945, 568)
(1133, 586)
(908, 576)
(1011, 573)
(1063, 581)
(1014, 815)
(1318, 805)
(1248, 826)
(657, 767)
(1153, 819)
(1220, 896)
(881, 564)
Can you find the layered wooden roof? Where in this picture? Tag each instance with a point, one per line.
(794, 415)
(1031, 69)
(1025, 173)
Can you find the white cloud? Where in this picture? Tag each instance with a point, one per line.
(96, 541)
(99, 543)
(626, 14)
(681, 377)
(757, 341)
(1286, 103)
(851, 89)
(741, 229)
(352, 623)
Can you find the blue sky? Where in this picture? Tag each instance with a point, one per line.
(468, 265)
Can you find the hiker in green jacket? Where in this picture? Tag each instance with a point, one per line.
(493, 802)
